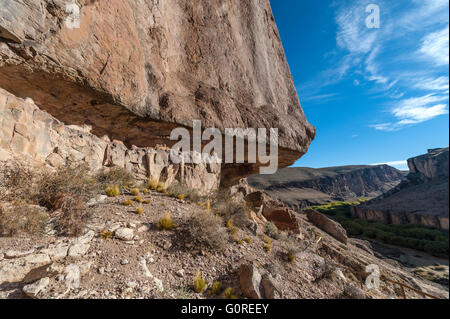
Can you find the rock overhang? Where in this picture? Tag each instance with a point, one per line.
(135, 70)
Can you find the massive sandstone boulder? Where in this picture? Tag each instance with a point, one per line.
(135, 69)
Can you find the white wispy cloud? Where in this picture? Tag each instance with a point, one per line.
(435, 47)
(392, 163)
(398, 164)
(415, 110)
(433, 84)
(352, 34)
(321, 97)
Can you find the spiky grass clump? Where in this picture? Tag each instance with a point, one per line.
(138, 199)
(128, 202)
(166, 222)
(147, 201)
(229, 293)
(135, 191)
(106, 234)
(140, 210)
(181, 197)
(199, 283)
(112, 191)
(248, 240)
(267, 243)
(231, 228)
(161, 188)
(152, 184)
(216, 287)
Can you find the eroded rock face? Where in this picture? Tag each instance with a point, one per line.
(27, 132)
(135, 69)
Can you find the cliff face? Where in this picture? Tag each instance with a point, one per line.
(421, 199)
(135, 69)
(30, 134)
(300, 187)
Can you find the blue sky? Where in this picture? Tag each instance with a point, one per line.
(375, 95)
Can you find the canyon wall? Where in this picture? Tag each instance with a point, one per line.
(421, 199)
(301, 187)
(135, 69)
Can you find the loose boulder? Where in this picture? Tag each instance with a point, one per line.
(330, 226)
(283, 218)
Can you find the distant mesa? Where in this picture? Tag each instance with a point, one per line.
(301, 187)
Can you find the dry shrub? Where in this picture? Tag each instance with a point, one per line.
(207, 229)
(66, 180)
(291, 252)
(271, 230)
(115, 176)
(64, 191)
(16, 182)
(72, 214)
(183, 192)
(230, 209)
(20, 217)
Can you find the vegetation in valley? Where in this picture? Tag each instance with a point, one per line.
(430, 240)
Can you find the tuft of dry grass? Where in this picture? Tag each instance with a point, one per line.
(206, 228)
(17, 182)
(112, 191)
(138, 199)
(229, 293)
(152, 184)
(216, 287)
(63, 191)
(106, 234)
(199, 283)
(128, 203)
(135, 191)
(166, 222)
(140, 210)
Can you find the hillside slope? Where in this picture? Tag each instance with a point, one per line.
(303, 186)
